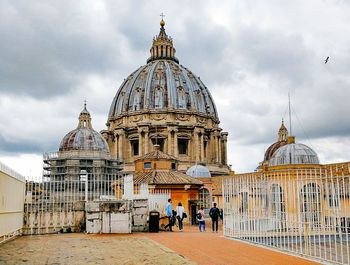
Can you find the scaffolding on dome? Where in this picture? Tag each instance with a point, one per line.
(306, 212)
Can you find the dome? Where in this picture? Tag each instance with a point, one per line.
(84, 137)
(272, 149)
(292, 154)
(163, 84)
(198, 171)
(282, 140)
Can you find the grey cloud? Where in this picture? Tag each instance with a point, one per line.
(47, 54)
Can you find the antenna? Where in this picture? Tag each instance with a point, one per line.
(290, 116)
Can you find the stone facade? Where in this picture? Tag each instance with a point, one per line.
(199, 138)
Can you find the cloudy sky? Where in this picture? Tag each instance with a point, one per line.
(250, 54)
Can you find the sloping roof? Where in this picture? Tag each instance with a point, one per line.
(164, 177)
(156, 154)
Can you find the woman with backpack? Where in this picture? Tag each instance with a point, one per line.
(201, 220)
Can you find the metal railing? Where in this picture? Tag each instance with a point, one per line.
(306, 212)
(57, 203)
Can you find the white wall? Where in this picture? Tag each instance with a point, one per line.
(12, 189)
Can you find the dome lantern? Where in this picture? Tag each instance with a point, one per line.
(162, 47)
(84, 118)
(282, 133)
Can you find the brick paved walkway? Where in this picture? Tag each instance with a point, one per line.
(212, 248)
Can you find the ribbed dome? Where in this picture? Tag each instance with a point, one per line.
(272, 149)
(292, 154)
(84, 137)
(163, 84)
(198, 171)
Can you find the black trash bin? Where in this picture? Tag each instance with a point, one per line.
(154, 221)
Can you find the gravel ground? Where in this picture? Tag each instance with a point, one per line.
(78, 248)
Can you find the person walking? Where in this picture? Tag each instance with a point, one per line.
(180, 215)
(169, 213)
(201, 220)
(214, 214)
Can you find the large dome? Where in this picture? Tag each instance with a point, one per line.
(84, 137)
(292, 154)
(163, 84)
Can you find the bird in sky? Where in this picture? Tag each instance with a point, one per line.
(326, 61)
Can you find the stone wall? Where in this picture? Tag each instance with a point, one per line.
(139, 215)
(48, 218)
(122, 216)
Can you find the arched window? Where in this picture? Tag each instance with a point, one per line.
(204, 199)
(311, 205)
(278, 210)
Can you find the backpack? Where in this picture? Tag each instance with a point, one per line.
(214, 213)
(199, 216)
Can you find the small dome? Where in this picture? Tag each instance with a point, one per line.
(162, 23)
(198, 171)
(292, 154)
(84, 137)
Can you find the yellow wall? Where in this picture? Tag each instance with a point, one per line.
(11, 203)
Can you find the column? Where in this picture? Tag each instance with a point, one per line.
(196, 146)
(170, 143)
(140, 143)
(146, 141)
(219, 149)
(115, 145)
(121, 145)
(176, 151)
(224, 146)
(216, 147)
(202, 147)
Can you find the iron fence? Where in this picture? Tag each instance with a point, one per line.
(306, 212)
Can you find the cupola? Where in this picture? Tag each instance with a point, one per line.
(162, 47)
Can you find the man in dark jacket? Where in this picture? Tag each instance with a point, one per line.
(214, 213)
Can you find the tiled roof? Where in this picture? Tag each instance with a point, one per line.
(156, 154)
(164, 177)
